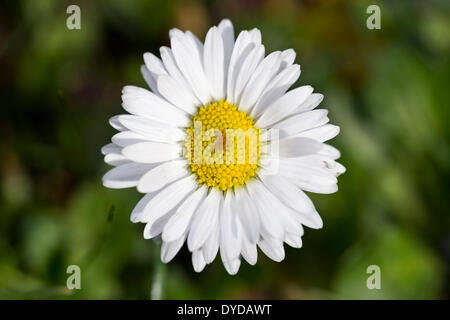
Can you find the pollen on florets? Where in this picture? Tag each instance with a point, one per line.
(222, 146)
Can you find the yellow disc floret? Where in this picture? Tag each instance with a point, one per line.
(222, 146)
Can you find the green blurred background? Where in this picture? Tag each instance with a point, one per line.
(387, 89)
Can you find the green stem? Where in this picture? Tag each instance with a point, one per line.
(156, 291)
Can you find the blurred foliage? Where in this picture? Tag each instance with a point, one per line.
(387, 89)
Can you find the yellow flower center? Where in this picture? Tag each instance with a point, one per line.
(222, 146)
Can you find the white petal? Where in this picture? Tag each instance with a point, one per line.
(191, 67)
(276, 88)
(162, 175)
(307, 177)
(138, 209)
(288, 193)
(116, 159)
(322, 133)
(211, 246)
(230, 235)
(313, 101)
(154, 228)
(125, 176)
(177, 94)
(297, 147)
(126, 138)
(242, 47)
(265, 71)
(175, 32)
(152, 152)
(272, 248)
(247, 214)
(151, 82)
(249, 251)
(288, 57)
(110, 148)
(293, 240)
(144, 103)
(227, 31)
(267, 209)
(255, 35)
(170, 249)
(232, 267)
(179, 222)
(198, 261)
(204, 219)
(214, 62)
(303, 121)
(284, 106)
(167, 199)
(154, 65)
(114, 122)
(152, 130)
(174, 71)
(248, 67)
(330, 151)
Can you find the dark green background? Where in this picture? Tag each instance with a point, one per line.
(387, 89)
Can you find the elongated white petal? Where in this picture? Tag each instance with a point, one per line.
(144, 103)
(162, 175)
(308, 178)
(272, 248)
(293, 240)
(242, 47)
(247, 214)
(322, 133)
(110, 148)
(266, 208)
(177, 94)
(114, 122)
(138, 209)
(259, 80)
(227, 31)
(191, 67)
(154, 228)
(230, 235)
(249, 251)
(125, 176)
(288, 57)
(211, 246)
(170, 249)
(297, 147)
(168, 199)
(152, 152)
(173, 70)
(288, 193)
(303, 121)
(248, 67)
(276, 88)
(214, 62)
(205, 218)
(330, 151)
(313, 101)
(149, 79)
(198, 261)
(152, 130)
(116, 159)
(179, 222)
(284, 106)
(126, 138)
(232, 267)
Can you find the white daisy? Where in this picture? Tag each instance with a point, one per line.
(213, 202)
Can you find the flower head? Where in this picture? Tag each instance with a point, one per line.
(222, 150)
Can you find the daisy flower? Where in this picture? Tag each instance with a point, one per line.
(222, 150)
